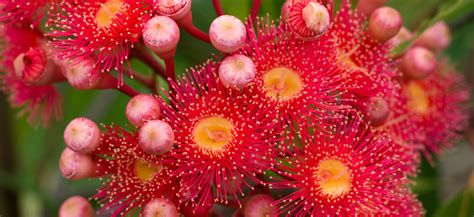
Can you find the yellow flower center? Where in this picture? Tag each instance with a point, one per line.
(212, 133)
(107, 11)
(282, 83)
(333, 178)
(418, 100)
(145, 171)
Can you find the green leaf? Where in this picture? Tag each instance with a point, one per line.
(461, 205)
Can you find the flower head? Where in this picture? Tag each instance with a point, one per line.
(223, 139)
(25, 10)
(434, 109)
(341, 174)
(103, 30)
(26, 66)
(134, 177)
(302, 78)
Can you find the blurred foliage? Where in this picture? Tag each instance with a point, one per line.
(36, 150)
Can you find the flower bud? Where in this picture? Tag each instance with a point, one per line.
(81, 76)
(161, 34)
(75, 166)
(366, 7)
(377, 110)
(76, 206)
(308, 19)
(436, 37)
(82, 135)
(160, 207)
(402, 36)
(285, 10)
(384, 23)
(259, 205)
(156, 137)
(227, 33)
(237, 71)
(141, 108)
(418, 63)
(34, 68)
(176, 9)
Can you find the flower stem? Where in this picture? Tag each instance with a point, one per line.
(127, 90)
(187, 24)
(218, 7)
(170, 73)
(142, 54)
(255, 8)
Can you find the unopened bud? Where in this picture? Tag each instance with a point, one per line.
(385, 23)
(436, 37)
(260, 205)
(378, 111)
(141, 108)
(418, 63)
(82, 135)
(176, 9)
(161, 34)
(156, 137)
(237, 71)
(403, 35)
(308, 19)
(366, 7)
(227, 33)
(76, 206)
(75, 166)
(160, 207)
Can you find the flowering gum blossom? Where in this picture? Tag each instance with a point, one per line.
(237, 71)
(227, 33)
(161, 34)
(76, 206)
(259, 205)
(156, 137)
(142, 107)
(82, 135)
(75, 166)
(160, 207)
(384, 23)
(418, 63)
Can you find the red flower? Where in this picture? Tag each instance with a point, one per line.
(302, 78)
(341, 174)
(103, 30)
(41, 101)
(223, 139)
(13, 11)
(434, 110)
(134, 177)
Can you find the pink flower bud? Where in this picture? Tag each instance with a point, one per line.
(156, 137)
(308, 19)
(76, 206)
(384, 23)
(160, 207)
(436, 37)
(402, 36)
(161, 34)
(259, 205)
(418, 63)
(227, 33)
(34, 68)
(237, 71)
(75, 166)
(141, 108)
(81, 76)
(82, 135)
(366, 7)
(176, 9)
(378, 111)
(285, 10)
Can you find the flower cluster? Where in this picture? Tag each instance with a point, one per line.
(311, 116)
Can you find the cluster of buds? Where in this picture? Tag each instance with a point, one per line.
(307, 117)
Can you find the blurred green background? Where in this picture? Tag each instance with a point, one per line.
(30, 182)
